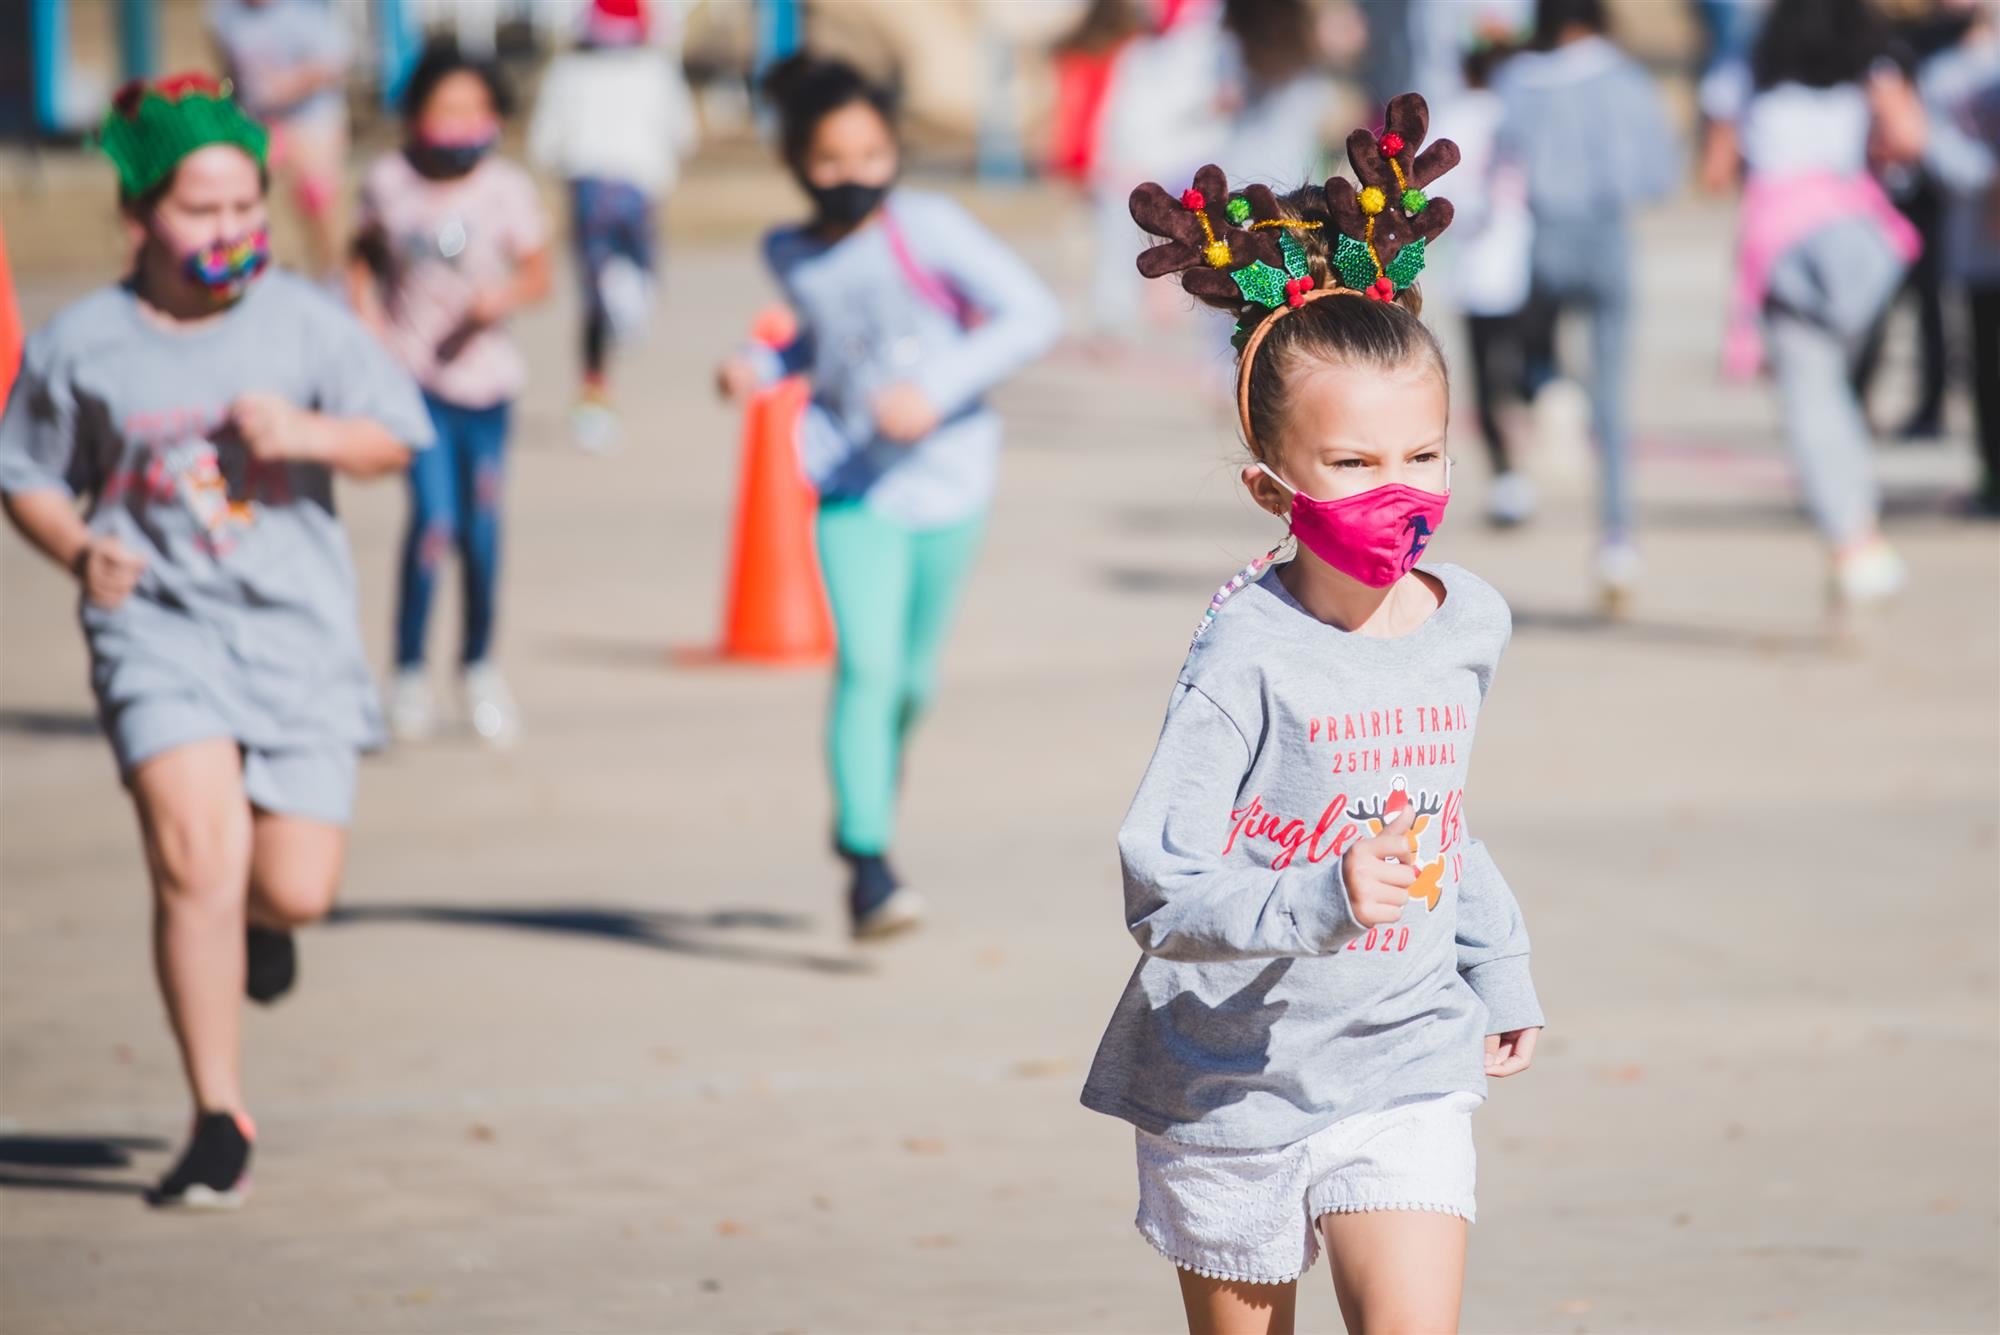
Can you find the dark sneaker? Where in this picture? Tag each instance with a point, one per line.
(877, 904)
(214, 1171)
(273, 962)
(1927, 424)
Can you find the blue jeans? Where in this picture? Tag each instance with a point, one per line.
(608, 219)
(455, 488)
(1587, 267)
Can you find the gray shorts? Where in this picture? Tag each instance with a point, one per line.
(314, 781)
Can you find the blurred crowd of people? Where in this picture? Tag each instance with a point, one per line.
(1863, 138)
(1818, 112)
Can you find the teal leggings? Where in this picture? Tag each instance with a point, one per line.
(893, 591)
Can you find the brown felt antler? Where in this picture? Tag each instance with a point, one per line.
(1200, 242)
(1393, 175)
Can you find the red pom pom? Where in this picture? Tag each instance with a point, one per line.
(1382, 289)
(1392, 143)
(1192, 199)
(1296, 289)
(177, 86)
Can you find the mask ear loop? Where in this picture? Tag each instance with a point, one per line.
(1265, 468)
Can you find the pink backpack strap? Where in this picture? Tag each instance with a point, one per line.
(932, 288)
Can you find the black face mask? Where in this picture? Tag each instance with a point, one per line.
(442, 162)
(845, 204)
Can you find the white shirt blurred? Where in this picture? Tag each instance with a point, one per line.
(619, 114)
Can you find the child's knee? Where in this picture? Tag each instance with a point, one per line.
(200, 857)
(488, 479)
(436, 535)
(295, 896)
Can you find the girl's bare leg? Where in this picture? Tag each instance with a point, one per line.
(295, 867)
(195, 823)
(1397, 1272)
(1226, 1307)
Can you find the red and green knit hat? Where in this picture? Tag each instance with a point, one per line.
(153, 125)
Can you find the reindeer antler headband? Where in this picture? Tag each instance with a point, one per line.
(1226, 245)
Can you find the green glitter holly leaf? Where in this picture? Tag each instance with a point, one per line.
(1409, 262)
(1355, 264)
(1261, 283)
(1295, 254)
(1264, 283)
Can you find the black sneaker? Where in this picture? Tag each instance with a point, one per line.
(877, 904)
(214, 1171)
(273, 964)
(1926, 424)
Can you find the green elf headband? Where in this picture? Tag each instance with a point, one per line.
(152, 126)
(1228, 246)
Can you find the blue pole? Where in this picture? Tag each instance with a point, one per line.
(48, 38)
(779, 31)
(138, 38)
(398, 44)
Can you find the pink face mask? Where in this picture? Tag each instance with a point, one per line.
(1376, 536)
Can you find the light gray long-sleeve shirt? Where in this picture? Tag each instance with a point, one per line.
(1261, 1011)
(864, 326)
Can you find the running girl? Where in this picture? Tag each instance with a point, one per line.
(1332, 965)
(909, 312)
(452, 242)
(203, 405)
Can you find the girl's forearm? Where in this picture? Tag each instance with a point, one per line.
(355, 446)
(50, 523)
(531, 282)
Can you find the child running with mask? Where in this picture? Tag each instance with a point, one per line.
(615, 119)
(452, 243)
(203, 405)
(1332, 966)
(909, 313)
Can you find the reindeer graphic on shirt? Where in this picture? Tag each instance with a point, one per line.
(1430, 875)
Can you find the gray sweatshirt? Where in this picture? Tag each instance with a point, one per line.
(1261, 1011)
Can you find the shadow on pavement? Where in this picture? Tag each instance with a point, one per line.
(1906, 506)
(1679, 635)
(82, 1152)
(48, 723)
(611, 651)
(659, 929)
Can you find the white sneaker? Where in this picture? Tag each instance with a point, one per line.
(901, 911)
(1510, 500)
(627, 292)
(593, 425)
(490, 705)
(1868, 573)
(410, 715)
(1618, 568)
(1561, 417)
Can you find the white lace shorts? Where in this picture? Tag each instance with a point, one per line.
(1252, 1215)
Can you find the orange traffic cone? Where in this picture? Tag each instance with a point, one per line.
(10, 327)
(775, 610)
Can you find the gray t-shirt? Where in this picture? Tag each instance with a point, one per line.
(262, 41)
(1262, 1011)
(247, 603)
